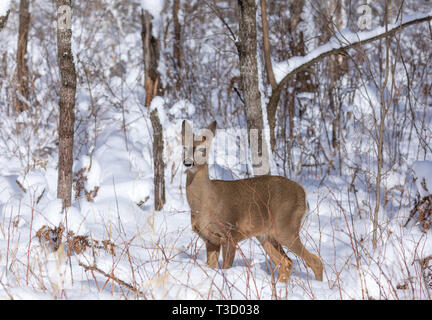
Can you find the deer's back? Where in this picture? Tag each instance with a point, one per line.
(247, 207)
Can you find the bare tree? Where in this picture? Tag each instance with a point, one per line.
(177, 34)
(67, 100)
(384, 109)
(247, 50)
(333, 23)
(22, 98)
(152, 86)
(151, 58)
(267, 52)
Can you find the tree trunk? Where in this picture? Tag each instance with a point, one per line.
(177, 35)
(267, 52)
(336, 68)
(247, 49)
(151, 57)
(152, 86)
(21, 102)
(384, 109)
(159, 165)
(67, 100)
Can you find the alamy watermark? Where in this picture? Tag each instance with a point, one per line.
(232, 145)
(64, 18)
(365, 19)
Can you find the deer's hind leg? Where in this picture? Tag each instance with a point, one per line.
(312, 261)
(278, 256)
(287, 233)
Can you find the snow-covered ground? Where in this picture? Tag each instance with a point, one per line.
(160, 255)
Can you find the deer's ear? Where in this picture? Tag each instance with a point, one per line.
(212, 127)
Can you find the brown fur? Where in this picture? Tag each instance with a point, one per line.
(270, 208)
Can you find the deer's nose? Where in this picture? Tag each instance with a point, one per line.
(188, 163)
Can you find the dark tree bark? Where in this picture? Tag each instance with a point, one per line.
(22, 98)
(267, 51)
(177, 34)
(152, 86)
(151, 57)
(159, 165)
(336, 69)
(67, 100)
(247, 50)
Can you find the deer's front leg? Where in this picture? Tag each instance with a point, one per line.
(212, 254)
(228, 252)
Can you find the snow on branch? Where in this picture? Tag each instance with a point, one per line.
(4, 7)
(342, 41)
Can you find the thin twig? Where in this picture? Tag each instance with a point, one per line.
(112, 277)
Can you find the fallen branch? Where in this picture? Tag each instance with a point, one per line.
(112, 277)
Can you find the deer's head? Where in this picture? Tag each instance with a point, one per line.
(196, 147)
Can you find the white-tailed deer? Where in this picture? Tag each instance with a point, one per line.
(223, 213)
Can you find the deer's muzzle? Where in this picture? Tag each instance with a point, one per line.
(188, 163)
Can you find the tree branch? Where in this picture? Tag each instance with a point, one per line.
(112, 277)
(267, 58)
(340, 43)
(215, 9)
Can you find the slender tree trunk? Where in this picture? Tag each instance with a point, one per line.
(247, 49)
(67, 100)
(22, 98)
(177, 34)
(152, 86)
(151, 57)
(384, 108)
(267, 52)
(335, 64)
(159, 165)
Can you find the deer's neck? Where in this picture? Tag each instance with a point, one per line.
(200, 177)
